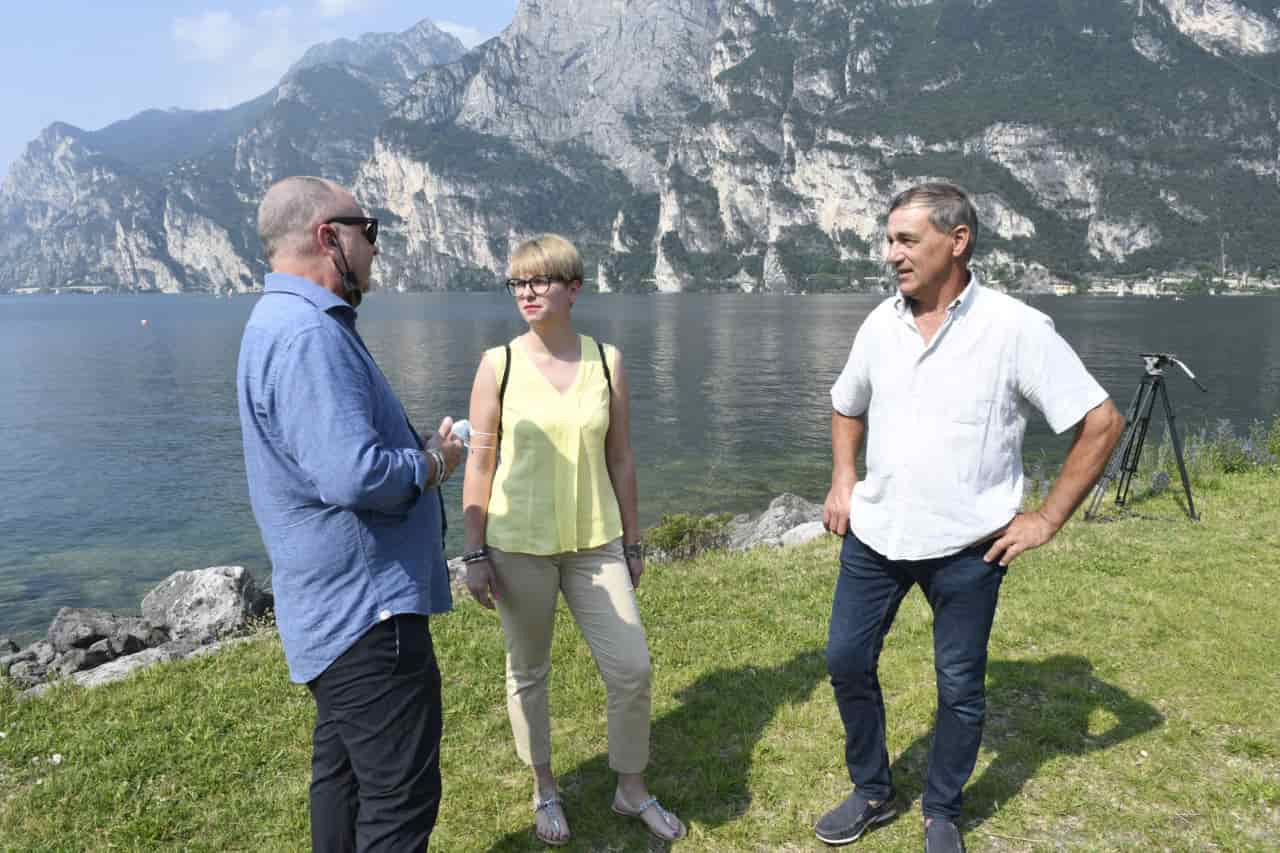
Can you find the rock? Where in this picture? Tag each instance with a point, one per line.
(81, 627)
(127, 644)
(206, 604)
(7, 646)
(120, 667)
(209, 649)
(44, 652)
(75, 660)
(98, 654)
(25, 654)
(787, 511)
(803, 533)
(186, 647)
(740, 529)
(6, 661)
(70, 662)
(26, 674)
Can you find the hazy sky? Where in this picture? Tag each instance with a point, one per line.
(92, 63)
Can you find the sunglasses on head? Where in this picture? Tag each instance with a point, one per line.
(368, 225)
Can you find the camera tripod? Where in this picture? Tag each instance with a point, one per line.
(1124, 461)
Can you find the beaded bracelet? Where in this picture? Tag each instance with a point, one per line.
(481, 553)
(634, 551)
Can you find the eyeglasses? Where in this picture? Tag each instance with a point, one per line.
(539, 284)
(368, 225)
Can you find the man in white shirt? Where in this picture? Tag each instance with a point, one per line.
(939, 382)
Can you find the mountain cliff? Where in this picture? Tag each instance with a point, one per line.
(711, 144)
(167, 200)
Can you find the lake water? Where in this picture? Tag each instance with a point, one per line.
(122, 462)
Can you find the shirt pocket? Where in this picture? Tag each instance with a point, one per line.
(965, 424)
(966, 408)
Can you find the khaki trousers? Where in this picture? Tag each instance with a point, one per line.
(597, 588)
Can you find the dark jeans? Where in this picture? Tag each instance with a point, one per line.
(962, 590)
(375, 759)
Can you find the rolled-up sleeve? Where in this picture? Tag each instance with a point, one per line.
(322, 403)
(851, 394)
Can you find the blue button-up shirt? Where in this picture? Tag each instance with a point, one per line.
(337, 478)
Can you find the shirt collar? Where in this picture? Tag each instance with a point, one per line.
(325, 300)
(960, 305)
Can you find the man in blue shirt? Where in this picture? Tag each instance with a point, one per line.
(347, 497)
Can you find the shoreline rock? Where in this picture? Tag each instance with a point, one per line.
(785, 517)
(193, 613)
(209, 603)
(186, 614)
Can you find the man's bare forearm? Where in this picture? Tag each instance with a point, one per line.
(847, 435)
(1095, 439)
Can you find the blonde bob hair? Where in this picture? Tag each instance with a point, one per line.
(547, 254)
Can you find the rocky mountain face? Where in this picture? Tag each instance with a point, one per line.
(1096, 136)
(713, 144)
(754, 144)
(167, 200)
(392, 57)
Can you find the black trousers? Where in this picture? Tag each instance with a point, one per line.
(375, 760)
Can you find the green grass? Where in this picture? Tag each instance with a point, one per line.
(1132, 705)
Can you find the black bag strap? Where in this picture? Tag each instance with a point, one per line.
(604, 362)
(502, 387)
(506, 374)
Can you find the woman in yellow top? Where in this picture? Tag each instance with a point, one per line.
(550, 507)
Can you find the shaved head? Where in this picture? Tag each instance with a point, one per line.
(292, 207)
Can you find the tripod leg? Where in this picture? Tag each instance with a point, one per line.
(1133, 452)
(1177, 451)
(1117, 456)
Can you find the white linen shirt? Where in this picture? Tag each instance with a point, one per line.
(945, 421)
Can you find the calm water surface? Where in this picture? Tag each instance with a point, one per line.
(121, 453)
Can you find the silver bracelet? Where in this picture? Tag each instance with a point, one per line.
(437, 462)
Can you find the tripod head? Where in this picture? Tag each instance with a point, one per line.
(1156, 362)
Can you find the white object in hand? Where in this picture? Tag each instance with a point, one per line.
(462, 431)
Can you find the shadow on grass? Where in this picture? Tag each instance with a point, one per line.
(701, 760)
(1139, 498)
(1036, 710)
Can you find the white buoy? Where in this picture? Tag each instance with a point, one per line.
(144, 322)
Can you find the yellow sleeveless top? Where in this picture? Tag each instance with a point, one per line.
(551, 490)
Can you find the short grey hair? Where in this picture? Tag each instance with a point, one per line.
(948, 206)
(289, 210)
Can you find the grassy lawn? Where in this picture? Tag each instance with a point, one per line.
(1133, 695)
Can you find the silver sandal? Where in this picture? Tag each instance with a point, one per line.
(545, 806)
(678, 829)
